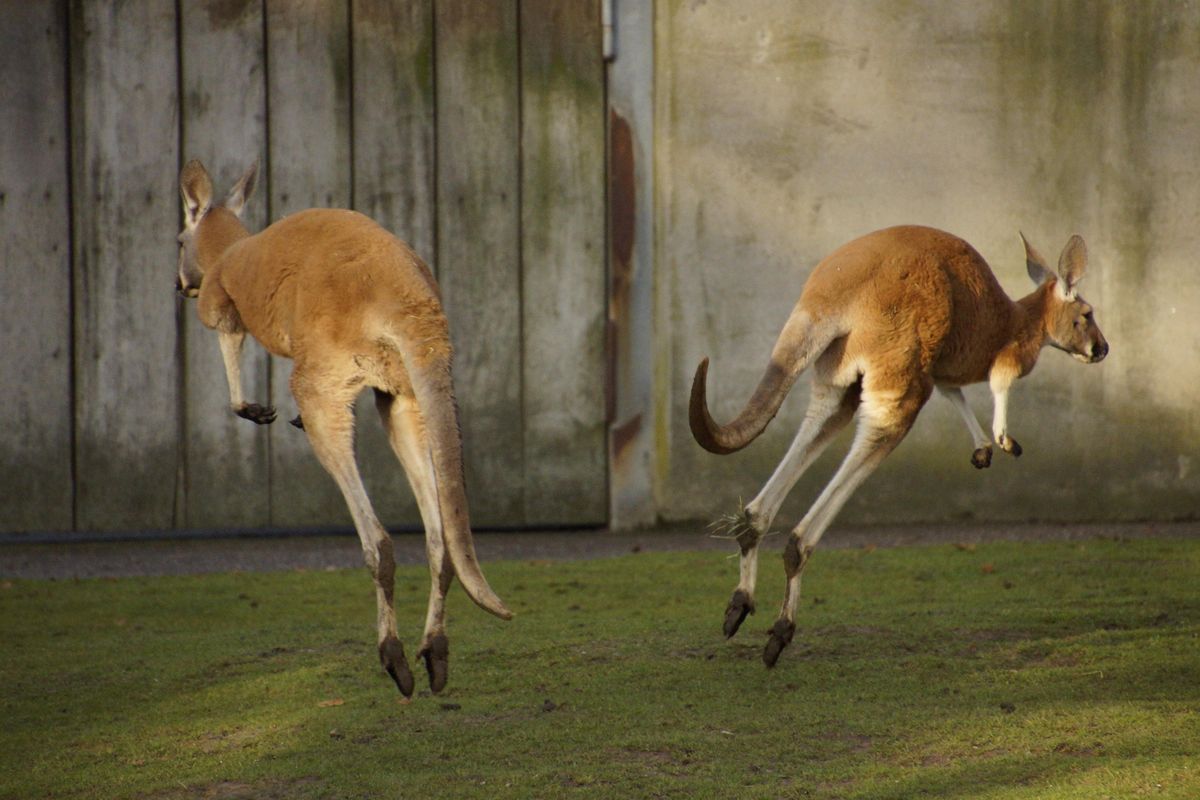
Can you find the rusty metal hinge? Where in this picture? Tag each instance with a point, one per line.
(607, 30)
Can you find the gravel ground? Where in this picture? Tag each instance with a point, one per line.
(73, 557)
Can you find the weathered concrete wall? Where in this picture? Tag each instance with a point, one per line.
(787, 128)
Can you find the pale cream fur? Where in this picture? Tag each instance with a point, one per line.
(353, 307)
(884, 320)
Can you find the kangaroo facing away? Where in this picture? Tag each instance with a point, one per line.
(353, 307)
(883, 321)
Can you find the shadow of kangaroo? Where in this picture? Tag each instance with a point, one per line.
(883, 321)
(353, 307)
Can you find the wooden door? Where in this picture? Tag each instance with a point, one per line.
(474, 131)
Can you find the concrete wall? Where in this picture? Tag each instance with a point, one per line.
(786, 128)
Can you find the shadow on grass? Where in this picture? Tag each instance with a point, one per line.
(1058, 671)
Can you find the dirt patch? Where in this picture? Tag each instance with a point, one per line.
(990, 635)
(236, 790)
(1079, 750)
(850, 741)
(222, 741)
(657, 761)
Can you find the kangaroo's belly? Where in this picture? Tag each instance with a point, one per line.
(959, 369)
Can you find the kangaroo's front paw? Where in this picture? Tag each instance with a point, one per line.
(1009, 445)
(261, 415)
(982, 457)
(781, 634)
(739, 606)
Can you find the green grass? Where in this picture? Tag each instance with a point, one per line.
(1006, 671)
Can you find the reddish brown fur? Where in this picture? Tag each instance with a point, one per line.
(281, 285)
(883, 320)
(914, 298)
(353, 307)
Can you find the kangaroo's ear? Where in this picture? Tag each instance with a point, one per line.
(1072, 263)
(1035, 264)
(196, 189)
(241, 191)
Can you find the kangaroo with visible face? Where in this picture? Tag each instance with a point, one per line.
(883, 321)
(353, 307)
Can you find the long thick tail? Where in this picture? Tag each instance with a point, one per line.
(798, 343)
(429, 370)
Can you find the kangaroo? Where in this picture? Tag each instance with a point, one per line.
(353, 307)
(884, 320)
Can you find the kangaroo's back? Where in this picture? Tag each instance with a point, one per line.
(336, 270)
(914, 284)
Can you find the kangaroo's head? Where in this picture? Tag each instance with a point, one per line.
(208, 230)
(1068, 319)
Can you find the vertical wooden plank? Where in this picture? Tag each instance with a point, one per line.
(478, 248)
(223, 115)
(393, 117)
(125, 145)
(393, 179)
(35, 271)
(562, 253)
(309, 100)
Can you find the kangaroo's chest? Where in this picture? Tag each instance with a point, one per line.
(265, 302)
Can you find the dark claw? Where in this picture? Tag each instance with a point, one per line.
(391, 655)
(299, 423)
(261, 415)
(1011, 447)
(437, 661)
(781, 636)
(982, 458)
(739, 606)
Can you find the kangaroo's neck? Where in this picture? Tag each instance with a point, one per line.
(221, 230)
(1027, 334)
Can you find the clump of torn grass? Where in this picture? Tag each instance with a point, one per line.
(736, 526)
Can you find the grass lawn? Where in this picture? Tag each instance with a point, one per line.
(1057, 670)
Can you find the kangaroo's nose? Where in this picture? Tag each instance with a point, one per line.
(1099, 352)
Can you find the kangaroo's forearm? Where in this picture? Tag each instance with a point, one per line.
(231, 352)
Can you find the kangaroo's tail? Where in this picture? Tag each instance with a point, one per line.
(427, 359)
(799, 342)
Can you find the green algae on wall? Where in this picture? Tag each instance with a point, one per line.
(789, 129)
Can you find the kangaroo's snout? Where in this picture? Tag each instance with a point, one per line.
(1099, 352)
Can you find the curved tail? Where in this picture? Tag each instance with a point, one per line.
(429, 371)
(799, 341)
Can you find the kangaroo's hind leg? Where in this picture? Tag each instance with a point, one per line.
(406, 431)
(886, 416)
(829, 409)
(329, 423)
